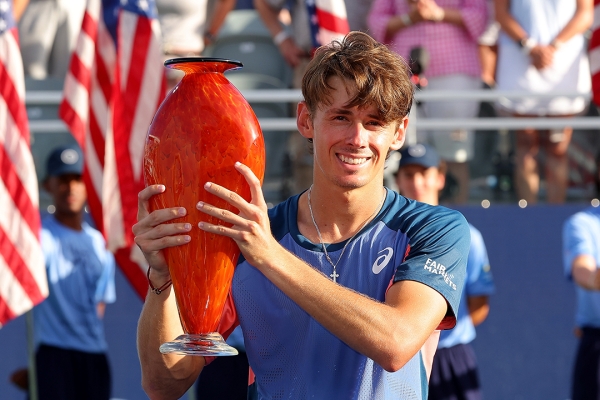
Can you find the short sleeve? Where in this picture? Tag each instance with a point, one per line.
(437, 257)
(105, 290)
(381, 12)
(577, 240)
(475, 17)
(479, 274)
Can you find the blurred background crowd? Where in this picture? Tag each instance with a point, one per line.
(453, 47)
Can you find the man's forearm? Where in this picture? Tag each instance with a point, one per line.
(403, 324)
(163, 376)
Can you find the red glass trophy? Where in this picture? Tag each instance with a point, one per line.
(198, 133)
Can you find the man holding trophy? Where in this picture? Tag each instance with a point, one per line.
(341, 288)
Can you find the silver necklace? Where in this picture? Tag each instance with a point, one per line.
(334, 275)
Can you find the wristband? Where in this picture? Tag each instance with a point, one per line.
(406, 21)
(527, 45)
(157, 290)
(557, 44)
(280, 37)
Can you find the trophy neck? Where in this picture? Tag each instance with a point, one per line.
(202, 64)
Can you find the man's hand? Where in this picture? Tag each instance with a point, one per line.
(292, 54)
(251, 229)
(424, 10)
(153, 232)
(542, 56)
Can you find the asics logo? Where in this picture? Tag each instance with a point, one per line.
(383, 260)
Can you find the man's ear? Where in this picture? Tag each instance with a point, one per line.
(400, 134)
(304, 121)
(441, 181)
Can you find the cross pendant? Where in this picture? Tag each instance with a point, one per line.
(334, 276)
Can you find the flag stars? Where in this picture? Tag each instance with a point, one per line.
(143, 4)
(4, 6)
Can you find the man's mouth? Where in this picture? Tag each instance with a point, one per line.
(353, 160)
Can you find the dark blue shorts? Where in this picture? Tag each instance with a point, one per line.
(454, 374)
(71, 375)
(586, 378)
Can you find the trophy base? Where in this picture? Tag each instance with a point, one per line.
(210, 344)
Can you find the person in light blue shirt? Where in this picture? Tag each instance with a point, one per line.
(71, 359)
(421, 176)
(581, 257)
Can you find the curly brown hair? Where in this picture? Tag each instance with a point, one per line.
(382, 77)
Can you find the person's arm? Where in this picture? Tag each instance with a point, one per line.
(580, 22)
(163, 376)
(18, 8)
(403, 323)
(479, 308)
(214, 23)
(100, 309)
(542, 55)
(284, 41)
(585, 272)
(429, 10)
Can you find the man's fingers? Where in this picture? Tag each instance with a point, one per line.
(223, 215)
(143, 198)
(152, 245)
(254, 183)
(156, 218)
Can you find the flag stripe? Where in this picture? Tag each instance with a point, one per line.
(594, 54)
(17, 193)
(129, 185)
(125, 86)
(10, 93)
(333, 23)
(17, 265)
(22, 274)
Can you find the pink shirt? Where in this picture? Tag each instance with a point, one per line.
(452, 49)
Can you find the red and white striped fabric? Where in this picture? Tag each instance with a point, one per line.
(328, 20)
(113, 88)
(595, 54)
(22, 272)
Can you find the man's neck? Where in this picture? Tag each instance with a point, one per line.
(73, 221)
(339, 214)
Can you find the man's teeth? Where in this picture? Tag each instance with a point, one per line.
(351, 160)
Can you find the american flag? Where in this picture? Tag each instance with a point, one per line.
(115, 84)
(22, 272)
(328, 21)
(595, 54)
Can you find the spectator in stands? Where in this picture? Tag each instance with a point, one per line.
(186, 30)
(488, 48)
(71, 361)
(421, 176)
(581, 258)
(296, 48)
(48, 32)
(542, 49)
(447, 31)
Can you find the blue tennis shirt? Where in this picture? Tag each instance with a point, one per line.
(293, 356)
(80, 275)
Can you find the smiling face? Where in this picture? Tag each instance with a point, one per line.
(350, 143)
